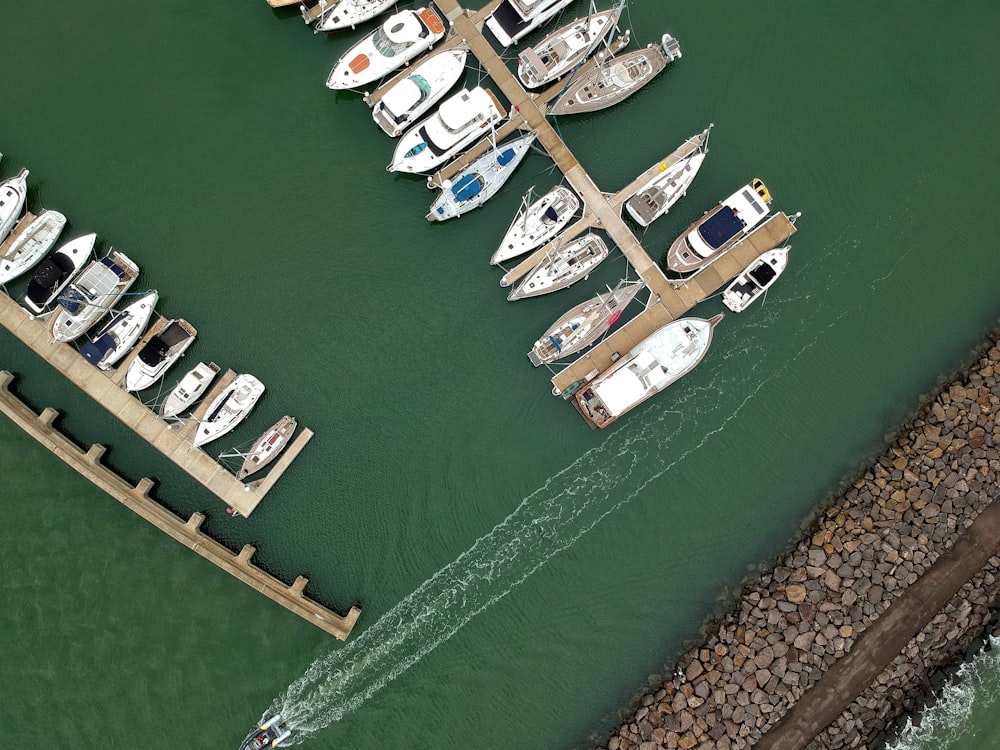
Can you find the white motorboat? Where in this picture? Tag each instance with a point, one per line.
(512, 20)
(229, 408)
(159, 353)
(267, 447)
(187, 392)
(121, 332)
(562, 266)
(580, 326)
(398, 40)
(719, 229)
(91, 294)
(460, 120)
(615, 78)
(346, 14)
(13, 194)
(537, 223)
(268, 735)
(55, 272)
(660, 359)
(565, 48)
(756, 279)
(412, 97)
(481, 180)
(671, 179)
(30, 247)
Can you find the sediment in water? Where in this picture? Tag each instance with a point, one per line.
(869, 544)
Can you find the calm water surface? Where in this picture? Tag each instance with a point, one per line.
(521, 576)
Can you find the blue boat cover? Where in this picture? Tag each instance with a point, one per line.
(721, 227)
(72, 301)
(94, 351)
(467, 187)
(505, 156)
(114, 267)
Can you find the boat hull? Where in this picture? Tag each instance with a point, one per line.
(190, 388)
(346, 14)
(121, 332)
(229, 409)
(509, 24)
(13, 195)
(159, 355)
(563, 49)
(55, 273)
(537, 224)
(671, 179)
(91, 295)
(562, 267)
(31, 245)
(759, 276)
(268, 446)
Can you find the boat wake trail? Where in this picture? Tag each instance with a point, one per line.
(546, 522)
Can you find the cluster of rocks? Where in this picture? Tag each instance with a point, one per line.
(875, 539)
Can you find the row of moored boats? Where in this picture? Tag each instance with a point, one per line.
(73, 293)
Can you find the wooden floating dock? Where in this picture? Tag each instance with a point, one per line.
(175, 444)
(240, 566)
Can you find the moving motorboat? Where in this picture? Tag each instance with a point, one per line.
(671, 179)
(660, 359)
(229, 408)
(719, 229)
(121, 332)
(563, 265)
(398, 40)
(581, 326)
(565, 48)
(537, 223)
(481, 180)
(460, 120)
(269, 734)
(512, 20)
(267, 447)
(412, 97)
(756, 279)
(55, 272)
(187, 392)
(615, 78)
(346, 14)
(13, 194)
(30, 247)
(91, 294)
(159, 353)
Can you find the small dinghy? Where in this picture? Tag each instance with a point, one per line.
(187, 392)
(270, 734)
(120, 334)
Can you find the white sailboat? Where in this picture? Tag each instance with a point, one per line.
(121, 332)
(537, 223)
(267, 447)
(346, 14)
(229, 408)
(31, 245)
(671, 182)
(562, 266)
(512, 20)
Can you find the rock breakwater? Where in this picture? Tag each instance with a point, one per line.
(873, 542)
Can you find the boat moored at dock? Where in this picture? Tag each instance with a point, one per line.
(537, 223)
(13, 194)
(512, 20)
(581, 326)
(267, 447)
(481, 180)
(616, 78)
(562, 266)
(270, 734)
(158, 354)
(660, 359)
(719, 229)
(229, 408)
(190, 388)
(30, 247)
(564, 48)
(399, 39)
(756, 279)
(345, 14)
(670, 183)
(55, 272)
(412, 97)
(91, 294)
(116, 337)
(459, 121)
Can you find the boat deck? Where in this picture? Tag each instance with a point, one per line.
(22, 224)
(104, 388)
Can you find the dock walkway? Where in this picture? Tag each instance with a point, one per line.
(88, 463)
(104, 388)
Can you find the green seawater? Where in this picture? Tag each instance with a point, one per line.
(521, 576)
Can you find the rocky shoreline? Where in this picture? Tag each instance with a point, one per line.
(873, 540)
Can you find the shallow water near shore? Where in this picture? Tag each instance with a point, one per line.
(521, 576)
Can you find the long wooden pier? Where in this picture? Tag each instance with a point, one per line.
(105, 388)
(240, 566)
